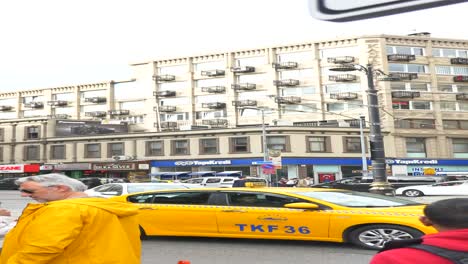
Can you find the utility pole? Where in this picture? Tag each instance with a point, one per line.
(363, 146)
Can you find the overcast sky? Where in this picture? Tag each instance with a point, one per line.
(50, 43)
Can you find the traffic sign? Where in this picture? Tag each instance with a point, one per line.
(340, 11)
(261, 162)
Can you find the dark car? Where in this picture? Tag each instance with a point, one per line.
(362, 184)
(8, 184)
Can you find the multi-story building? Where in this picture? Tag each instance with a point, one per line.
(206, 112)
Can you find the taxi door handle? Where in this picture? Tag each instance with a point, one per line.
(234, 211)
(147, 208)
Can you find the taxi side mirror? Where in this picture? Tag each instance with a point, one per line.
(307, 206)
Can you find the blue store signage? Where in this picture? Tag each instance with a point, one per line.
(428, 162)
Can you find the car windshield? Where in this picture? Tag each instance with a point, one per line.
(358, 199)
(152, 187)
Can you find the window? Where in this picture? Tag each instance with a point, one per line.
(342, 88)
(340, 107)
(239, 144)
(57, 152)
(448, 88)
(307, 56)
(352, 144)
(421, 105)
(415, 123)
(260, 200)
(32, 132)
(460, 147)
(412, 105)
(206, 66)
(251, 61)
(208, 146)
(173, 70)
(318, 144)
(413, 68)
(416, 147)
(448, 106)
(171, 198)
(302, 109)
(455, 124)
(115, 149)
(2, 134)
(155, 148)
(451, 70)
(92, 151)
(278, 143)
(450, 53)
(418, 51)
(180, 147)
(31, 152)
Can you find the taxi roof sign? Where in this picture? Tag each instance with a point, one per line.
(340, 11)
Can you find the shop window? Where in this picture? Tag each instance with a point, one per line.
(32, 132)
(416, 147)
(57, 152)
(278, 143)
(115, 149)
(239, 145)
(209, 146)
(180, 147)
(460, 147)
(31, 152)
(352, 144)
(155, 148)
(92, 151)
(318, 144)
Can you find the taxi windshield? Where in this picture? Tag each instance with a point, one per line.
(357, 199)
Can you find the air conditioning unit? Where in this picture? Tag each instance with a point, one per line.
(122, 157)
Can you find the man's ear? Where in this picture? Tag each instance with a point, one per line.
(425, 221)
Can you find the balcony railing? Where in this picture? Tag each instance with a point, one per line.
(213, 73)
(164, 78)
(96, 114)
(342, 78)
(216, 105)
(285, 65)
(57, 103)
(244, 69)
(341, 59)
(462, 96)
(96, 100)
(286, 82)
(398, 76)
(344, 96)
(166, 93)
(166, 125)
(401, 57)
(34, 105)
(58, 116)
(460, 78)
(214, 89)
(215, 122)
(459, 60)
(244, 86)
(406, 94)
(118, 112)
(288, 100)
(5, 108)
(167, 108)
(244, 103)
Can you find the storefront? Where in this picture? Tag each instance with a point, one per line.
(131, 171)
(18, 170)
(74, 170)
(429, 167)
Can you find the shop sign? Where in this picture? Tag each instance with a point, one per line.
(114, 166)
(143, 166)
(14, 168)
(73, 166)
(411, 162)
(201, 162)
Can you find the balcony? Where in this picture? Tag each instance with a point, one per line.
(164, 78)
(215, 122)
(459, 61)
(285, 65)
(401, 57)
(462, 96)
(118, 112)
(405, 94)
(57, 103)
(216, 105)
(213, 73)
(242, 103)
(96, 114)
(214, 89)
(287, 82)
(96, 100)
(166, 93)
(5, 108)
(460, 78)
(35, 105)
(341, 59)
(244, 86)
(166, 108)
(244, 69)
(344, 96)
(342, 78)
(288, 100)
(58, 116)
(399, 76)
(167, 125)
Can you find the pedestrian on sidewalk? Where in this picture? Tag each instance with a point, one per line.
(67, 226)
(450, 218)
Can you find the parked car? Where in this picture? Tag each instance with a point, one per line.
(364, 219)
(443, 188)
(8, 184)
(362, 184)
(115, 189)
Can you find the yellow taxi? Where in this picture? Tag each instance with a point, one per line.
(364, 219)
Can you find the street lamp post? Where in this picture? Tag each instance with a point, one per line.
(380, 184)
(264, 139)
(363, 146)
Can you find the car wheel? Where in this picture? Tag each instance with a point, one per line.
(375, 236)
(413, 193)
(143, 235)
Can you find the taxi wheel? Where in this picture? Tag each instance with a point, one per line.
(413, 193)
(143, 235)
(375, 236)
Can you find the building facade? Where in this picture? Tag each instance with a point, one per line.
(206, 112)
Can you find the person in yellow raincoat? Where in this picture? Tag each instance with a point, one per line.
(67, 226)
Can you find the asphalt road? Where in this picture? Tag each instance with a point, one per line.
(169, 250)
